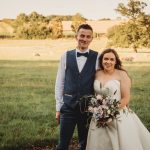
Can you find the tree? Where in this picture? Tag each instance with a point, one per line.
(77, 20)
(125, 35)
(20, 20)
(137, 28)
(34, 26)
(133, 9)
(144, 23)
(56, 28)
(118, 37)
(35, 17)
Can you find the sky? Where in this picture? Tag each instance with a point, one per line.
(90, 9)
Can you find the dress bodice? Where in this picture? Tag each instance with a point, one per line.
(111, 87)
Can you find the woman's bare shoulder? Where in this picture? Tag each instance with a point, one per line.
(124, 77)
(123, 73)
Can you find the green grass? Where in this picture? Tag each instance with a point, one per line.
(140, 92)
(27, 105)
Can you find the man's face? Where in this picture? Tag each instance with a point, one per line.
(84, 38)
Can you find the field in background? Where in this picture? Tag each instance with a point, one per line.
(5, 28)
(27, 77)
(27, 105)
(53, 49)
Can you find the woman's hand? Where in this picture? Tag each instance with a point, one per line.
(125, 89)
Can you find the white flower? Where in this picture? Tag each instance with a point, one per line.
(91, 109)
(108, 111)
(98, 96)
(95, 110)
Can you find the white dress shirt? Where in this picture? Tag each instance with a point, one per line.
(59, 85)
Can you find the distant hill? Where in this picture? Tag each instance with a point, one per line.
(6, 26)
(98, 26)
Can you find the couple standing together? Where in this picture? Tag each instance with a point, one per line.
(81, 71)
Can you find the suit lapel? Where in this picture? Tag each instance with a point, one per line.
(74, 62)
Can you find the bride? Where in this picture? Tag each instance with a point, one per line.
(126, 132)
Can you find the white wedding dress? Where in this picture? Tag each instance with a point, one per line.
(125, 133)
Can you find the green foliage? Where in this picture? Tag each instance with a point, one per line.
(33, 31)
(144, 23)
(35, 17)
(36, 26)
(56, 28)
(117, 36)
(126, 35)
(21, 19)
(136, 32)
(33, 26)
(133, 9)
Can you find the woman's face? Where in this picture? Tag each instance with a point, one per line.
(109, 61)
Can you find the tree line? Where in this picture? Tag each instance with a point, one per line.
(135, 32)
(37, 26)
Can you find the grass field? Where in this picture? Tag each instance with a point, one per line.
(27, 105)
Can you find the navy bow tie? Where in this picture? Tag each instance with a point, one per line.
(82, 54)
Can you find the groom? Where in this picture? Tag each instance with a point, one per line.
(75, 79)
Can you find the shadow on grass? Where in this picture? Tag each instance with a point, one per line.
(37, 145)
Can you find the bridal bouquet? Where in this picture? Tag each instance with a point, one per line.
(103, 107)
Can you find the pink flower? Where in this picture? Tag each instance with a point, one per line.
(98, 96)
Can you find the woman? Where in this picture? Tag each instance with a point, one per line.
(126, 132)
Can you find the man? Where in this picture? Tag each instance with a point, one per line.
(75, 79)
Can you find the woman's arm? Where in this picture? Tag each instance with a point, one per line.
(125, 89)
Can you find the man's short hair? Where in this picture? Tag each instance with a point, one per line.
(85, 26)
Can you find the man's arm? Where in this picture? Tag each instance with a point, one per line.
(59, 85)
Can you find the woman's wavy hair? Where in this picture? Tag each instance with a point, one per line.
(118, 64)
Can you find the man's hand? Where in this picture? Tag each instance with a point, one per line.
(58, 117)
